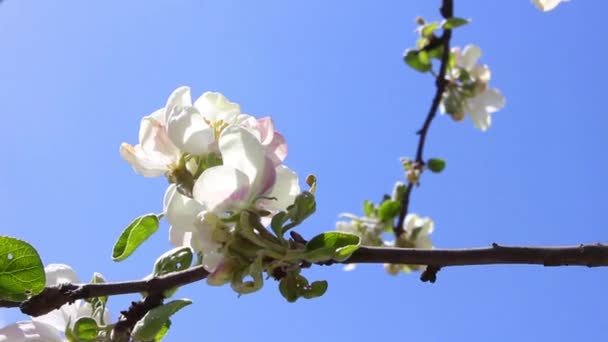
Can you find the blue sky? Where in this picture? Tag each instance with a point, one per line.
(77, 76)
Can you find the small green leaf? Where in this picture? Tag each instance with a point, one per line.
(436, 165)
(163, 331)
(277, 222)
(86, 329)
(177, 259)
(134, 235)
(388, 210)
(368, 208)
(454, 22)
(288, 289)
(152, 324)
(21, 270)
(316, 289)
(303, 206)
(428, 29)
(418, 60)
(341, 244)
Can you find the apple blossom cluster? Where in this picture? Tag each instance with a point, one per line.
(468, 90)
(228, 189)
(218, 161)
(57, 325)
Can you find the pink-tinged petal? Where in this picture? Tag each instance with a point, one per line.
(215, 106)
(266, 128)
(178, 99)
(269, 177)
(153, 136)
(470, 56)
(189, 131)
(142, 162)
(277, 149)
(285, 189)
(30, 331)
(222, 188)
(181, 211)
(155, 151)
(241, 150)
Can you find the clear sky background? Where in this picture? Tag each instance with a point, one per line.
(77, 76)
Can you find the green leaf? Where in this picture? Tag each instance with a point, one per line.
(152, 324)
(288, 290)
(163, 331)
(418, 60)
(303, 206)
(454, 22)
(177, 259)
(277, 222)
(134, 235)
(316, 289)
(436, 165)
(388, 210)
(337, 245)
(86, 329)
(368, 208)
(428, 29)
(21, 270)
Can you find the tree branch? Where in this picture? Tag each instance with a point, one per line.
(53, 297)
(590, 255)
(447, 11)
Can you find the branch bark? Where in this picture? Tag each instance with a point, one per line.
(590, 255)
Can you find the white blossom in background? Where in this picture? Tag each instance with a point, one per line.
(546, 5)
(417, 230)
(474, 96)
(52, 326)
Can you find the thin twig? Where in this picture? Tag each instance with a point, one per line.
(447, 11)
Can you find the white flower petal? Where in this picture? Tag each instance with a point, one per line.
(546, 5)
(491, 99)
(30, 331)
(155, 151)
(241, 150)
(181, 211)
(178, 99)
(215, 107)
(211, 260)
(285, 189)
(222, 188)
(189, 131)
(59, 274)
(479, 115)
(470, 56)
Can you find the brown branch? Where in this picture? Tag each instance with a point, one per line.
(590, 255)
(53, 297)
(447, 11)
